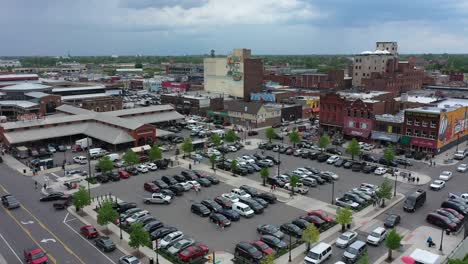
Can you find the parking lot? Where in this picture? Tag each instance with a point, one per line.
(178, 213)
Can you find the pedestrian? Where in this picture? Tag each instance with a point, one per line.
(35, 185)
(414, 179)
(45, 186)
(434, 163)
(190, 166)
(373, 202)
(274, 186)
(271, 188)
(417, 180)
(429, 241)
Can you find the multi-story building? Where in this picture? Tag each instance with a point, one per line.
(388, 128)
(383, 59)
(436, 128)
(237, 75)
(251, 114)
(332, 80)
(184, 69)
(195, 103)
(10, 63)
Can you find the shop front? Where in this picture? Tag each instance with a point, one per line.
(359, 128)
(423, 145)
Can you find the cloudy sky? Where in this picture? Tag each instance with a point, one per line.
(177, 27)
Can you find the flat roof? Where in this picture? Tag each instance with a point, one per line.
(129, 70)
(78, 88)
(453, 102)
(19, 103)
(83, 96)
(398, 118)
(26, 75)
(418, 99)
(26, 86)
(36, 94)
(141, 110)
(363, 96)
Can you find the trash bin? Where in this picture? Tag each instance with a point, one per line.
(24, 171)
(151, 261)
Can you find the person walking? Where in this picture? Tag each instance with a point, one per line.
(271, 187)
(373, 202)
(274, 186)
(45, 186)
(417, 180)
(35, 185)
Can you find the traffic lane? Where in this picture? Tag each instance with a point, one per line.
(13, 239)
(47, 217)
(105, 257)
(178, 213)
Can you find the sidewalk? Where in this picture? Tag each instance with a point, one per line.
(423, 178)
(15, 164)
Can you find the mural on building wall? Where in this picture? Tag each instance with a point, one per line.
(234, 68)
(452, 125)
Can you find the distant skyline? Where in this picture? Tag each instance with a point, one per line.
(194, 27)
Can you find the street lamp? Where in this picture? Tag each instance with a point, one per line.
(279, 155)
(290, 247)
(120, 224)
(396, 177)
(157, 251)
(333, 192)
(89, 165)
(442, 238)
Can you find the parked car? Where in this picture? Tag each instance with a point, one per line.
(162, 232)
(462, 168)
(437, 185)
(247, 251)
(35, 256)
(273, 242)
(346, 239)
(322, 214)
(344, 202)
(55, 196)
(212, 205)
(193, 252)
(105, 244)
(291, 229)
(224, 202)
(89, 231)
(392, 220)
(268, 229)
(151, 187)
(269, 197)
(377, 236)
(180, 245)
(219, 219)
(445, 175)
(262, 247)
(10, 202)
(441, 221)
(128, 259)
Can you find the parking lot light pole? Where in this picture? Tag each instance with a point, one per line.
(279, 156)
(89, 166)
(441, 239)
(290, 247)
(396, 177)
(333, 192)
(120, 224)
(157, 251)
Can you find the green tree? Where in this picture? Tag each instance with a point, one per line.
(310, 235)
(294, 137)
(105, 164)
(234, 167)
(269, 259)
(106, 214)
(389, 154)
(344, 216)
(216, 139)
(130, 158)
(81, 198)
(213, 161)
(264, 173)
(458, 261)
(364, 259)
(324, 141)
(385, 191)
(187, 146)
(230, 136)
(270, 133)
(353, 148)
(139, 65)
(155, 153)
(393, 242)
(293, 181)
(138, 237)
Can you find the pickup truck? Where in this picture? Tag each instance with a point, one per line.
(35, 256)
(298, 189)
(157, 198)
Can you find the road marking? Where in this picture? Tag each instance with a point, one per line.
(9, 246)
(65, 222)
(54, 174)
(45, 240)
(45, 228)
(27, 222)
(28, 233)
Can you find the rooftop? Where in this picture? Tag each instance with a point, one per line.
(26, 86)
(83, 96)
(36, 94)
(363, 96)
(241, 106)
(397, 118)
(13, 76)
(79, 88)
(21, 104)
(417, 99)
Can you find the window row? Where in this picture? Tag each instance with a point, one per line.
(420, 133)
(417, 122)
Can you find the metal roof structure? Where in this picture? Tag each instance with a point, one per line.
(26, 86)
(36, 94)
(83, 96)
(18, 103)
(81, 88)
(105, 126)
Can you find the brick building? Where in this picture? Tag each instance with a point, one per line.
(332, 80)
(194, 103)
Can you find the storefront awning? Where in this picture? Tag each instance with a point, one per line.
(378, 135)
(363, 133)
(405, 140)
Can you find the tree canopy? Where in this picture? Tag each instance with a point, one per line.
(138, 237)
(130, 158)
(344, 216)
(187, 146)
(310, 235)
(81, 198)
(264, 173)
(324, 141)
(230, 136)
(393, 242)
(389, 154)
(294, 137)
(155, 153)
(215, 139)
(105, 164)
(106, 214)
(353, 148)
(270, 133)
(385, 191)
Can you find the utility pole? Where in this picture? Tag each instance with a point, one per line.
(89, 165)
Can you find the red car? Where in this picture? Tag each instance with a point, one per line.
(123, 174)
(455, 213)
(151, 187)
(143, 158)
(89, 231)
(193, 252)
(264, 248)
(77, 148)
(322, 214)
(35, 256)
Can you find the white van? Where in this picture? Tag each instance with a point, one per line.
(96, 152)
(113, 157)
(318, 254)
(243, 209)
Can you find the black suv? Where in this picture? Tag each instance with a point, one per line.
(248, 252)
(254, 205)
(322, 157)
(169, 180)
(200, 209)
(212, 205)
(250, 190)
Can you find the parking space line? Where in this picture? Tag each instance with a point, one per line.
(9, 246)
(45, 228)
(65, 222)
(28, 233)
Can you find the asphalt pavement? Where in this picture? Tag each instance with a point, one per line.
(38, 225)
